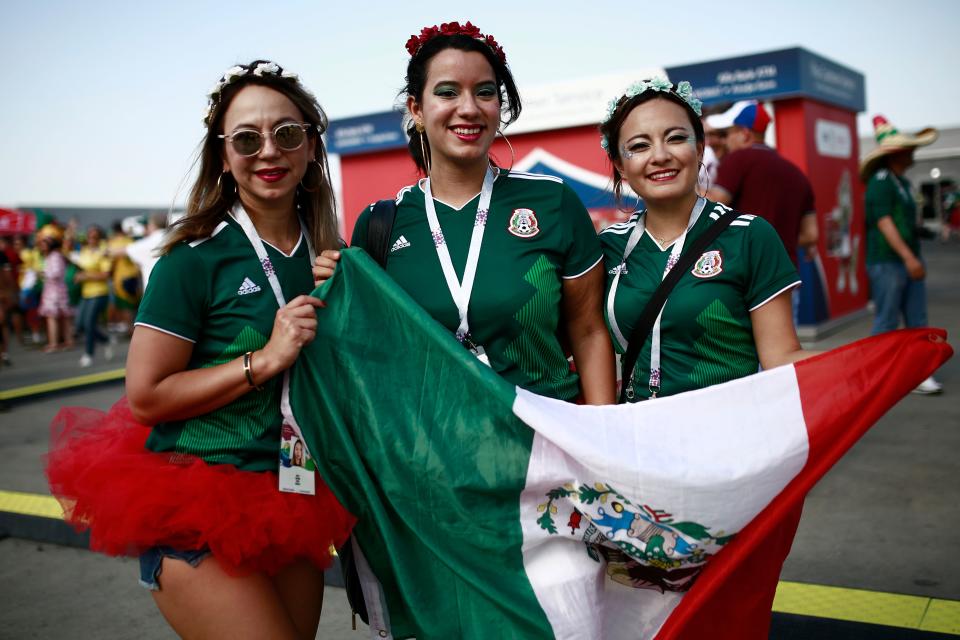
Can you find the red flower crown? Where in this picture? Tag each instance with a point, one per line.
(415, 43)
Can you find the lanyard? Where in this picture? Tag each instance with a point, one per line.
(461, 292)
(251, 232)
(632, 242)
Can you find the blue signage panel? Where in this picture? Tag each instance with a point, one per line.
(362, 134)
(830, 82)
(788, 73)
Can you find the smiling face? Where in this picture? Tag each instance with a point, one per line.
(460, 108)
(270, 177)
(659, 152)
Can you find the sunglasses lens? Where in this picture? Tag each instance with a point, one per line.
(247, 143)
(289, 136)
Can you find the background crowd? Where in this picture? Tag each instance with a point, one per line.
(65, 286)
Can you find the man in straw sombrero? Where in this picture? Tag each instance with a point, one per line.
(894, 266)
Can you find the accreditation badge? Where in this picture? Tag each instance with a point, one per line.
(297, 469)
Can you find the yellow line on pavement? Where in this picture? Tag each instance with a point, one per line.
(30, 504)
(871, 607)
(61, 385)
(819, 601)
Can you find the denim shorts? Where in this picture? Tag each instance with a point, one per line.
(151, 559)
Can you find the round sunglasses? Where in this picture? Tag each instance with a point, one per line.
(288, 136)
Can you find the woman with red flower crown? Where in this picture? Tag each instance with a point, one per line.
(497, 256)
(225, 551)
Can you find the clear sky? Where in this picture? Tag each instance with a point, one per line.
(102, 101)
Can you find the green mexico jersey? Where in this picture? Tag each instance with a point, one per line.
(889, 195)
(538, 233)
(213, 293)
(706, 336)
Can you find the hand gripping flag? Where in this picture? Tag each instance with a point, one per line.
(485, 511)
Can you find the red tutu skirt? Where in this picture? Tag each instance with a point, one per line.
(132, 499)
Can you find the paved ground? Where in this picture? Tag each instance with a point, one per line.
(885, 518)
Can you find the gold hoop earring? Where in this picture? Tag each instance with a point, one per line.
(319, 178)
(423, 150)
(220, 181)
(513, 156)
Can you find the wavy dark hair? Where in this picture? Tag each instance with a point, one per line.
(416, 81)
(611, 128)
(215, 193)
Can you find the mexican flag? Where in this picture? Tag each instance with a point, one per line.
(485, 511)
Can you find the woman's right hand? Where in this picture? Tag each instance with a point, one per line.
(325, 265)
(294, 326)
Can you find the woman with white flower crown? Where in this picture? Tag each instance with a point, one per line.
(730, 310)
(497, 256)
(231, 544)
(727, 309)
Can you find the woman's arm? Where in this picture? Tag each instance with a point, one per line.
(589, 340)
(774, 333)
(160, 388)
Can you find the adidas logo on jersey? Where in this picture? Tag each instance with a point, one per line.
(248, 286)
(401, 243)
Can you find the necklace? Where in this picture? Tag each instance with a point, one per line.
(660, 240)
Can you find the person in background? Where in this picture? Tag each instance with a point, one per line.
(124, 281)
(54, 302)
(753, 178)
(29, 286)
(94, 265)
(894, 266)
(145, 251)
(716, 122)
(7, 300)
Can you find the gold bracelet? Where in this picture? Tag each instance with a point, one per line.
(247, 370)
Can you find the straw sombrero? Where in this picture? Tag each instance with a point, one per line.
(889, 140)
(51, 231)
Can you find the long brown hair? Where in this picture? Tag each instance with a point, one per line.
(215, 193)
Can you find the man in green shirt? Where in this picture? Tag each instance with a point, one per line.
(894, 266)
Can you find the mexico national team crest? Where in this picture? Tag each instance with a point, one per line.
(523, 223)
(708, 265)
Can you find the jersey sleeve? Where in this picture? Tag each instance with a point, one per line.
(771, 270)
(359, 237)
(584, 247)
(176, 299)
(881, 197)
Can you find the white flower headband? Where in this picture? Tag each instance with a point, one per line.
(239, 71)
(683, 91)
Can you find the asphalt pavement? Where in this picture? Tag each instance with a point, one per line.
(884, 519)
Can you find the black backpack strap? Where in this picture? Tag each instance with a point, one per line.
(379, 230)
(650, 312)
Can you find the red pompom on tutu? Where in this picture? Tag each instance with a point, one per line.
(132, 499)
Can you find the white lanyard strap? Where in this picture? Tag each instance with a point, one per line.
(251, 232)
(632, 242)
(460, 292)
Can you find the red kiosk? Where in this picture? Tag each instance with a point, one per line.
(815, 102)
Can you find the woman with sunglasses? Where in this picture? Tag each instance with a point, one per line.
(496, 256)
(223, 549)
